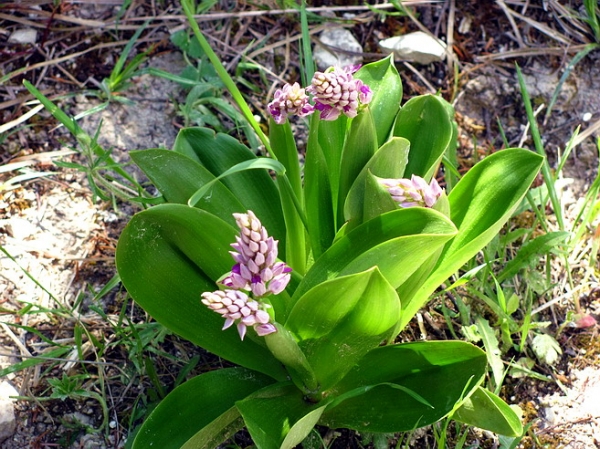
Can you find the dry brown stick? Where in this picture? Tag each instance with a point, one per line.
(513, 24)
(527, 52)
(540, 27)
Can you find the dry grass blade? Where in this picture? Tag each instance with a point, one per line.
(538, 26)
(23, 118)
(587, 133)
(33, 159)
(69, 57)
(528, 52)
(513, 24)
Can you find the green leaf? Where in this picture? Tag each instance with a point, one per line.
(492, 351)
(427, 124)
(485, 410)
(284, 148)
(196, 404)
(343, 319)
(320, 209)
(480, 204)
(177, 177)
(388, 162)
(330, 136)
(278, 414)
(167, 256)
(360, 146)
(383, 79)
(252, 164)
(255, 189)
(546, 348)
(531, 252)
(433, 377)
(397, 242)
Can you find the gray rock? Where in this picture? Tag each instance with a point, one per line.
(8, 422)
(339, 38)
(416, 47)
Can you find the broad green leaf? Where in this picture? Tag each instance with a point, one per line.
(380, 201)
(343, 319)
(241, 167)
(383, 79)
(318, 194)
(426, 123)
(177, 177)
(531, 251)
(388, 162)
(360, 146)
(255, 189)
(277, 411)
(480, 204)
(485, 410)
(431, 374)
(202, 401)
(330, 136)
(397, 242)
(167, 257)
(284, 148)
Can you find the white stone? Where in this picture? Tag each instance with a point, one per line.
(19, 228)
(23, 36)
(8, 422)
(416, 47)
(339, 38)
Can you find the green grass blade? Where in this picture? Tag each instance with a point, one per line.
(539, 147)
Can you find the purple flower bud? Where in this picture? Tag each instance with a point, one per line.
(289, 100)
(336, 92)
(236, 306)
(256, 255)
(413, 192)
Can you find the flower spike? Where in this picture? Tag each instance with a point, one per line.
(256, 254)
(289, 100)
(236, 306)
(256, 271)
(336, 92)
(413, 192)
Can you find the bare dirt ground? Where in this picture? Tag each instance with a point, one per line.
(56, 233)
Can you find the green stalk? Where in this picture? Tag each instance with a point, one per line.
(537, 140)
(188, 8)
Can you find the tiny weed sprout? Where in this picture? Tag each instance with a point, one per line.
(303, 275)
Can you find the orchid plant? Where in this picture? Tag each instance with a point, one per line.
(303, 273)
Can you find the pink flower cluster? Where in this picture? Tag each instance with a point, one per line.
(235, 306)
(256, 271)
(334, 92)
(413, 192)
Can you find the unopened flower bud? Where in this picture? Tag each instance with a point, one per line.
(336, 92)
(289, 100)
(412, 192)
(236, 307)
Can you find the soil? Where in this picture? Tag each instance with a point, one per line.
(61, 238)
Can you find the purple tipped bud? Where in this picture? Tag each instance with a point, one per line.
(413, 192)
(256, 254)
(236, 306)
(336, 92)
(289, 100)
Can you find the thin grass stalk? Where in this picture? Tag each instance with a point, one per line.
(539, 147)
(307, 59)
(188, 8)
